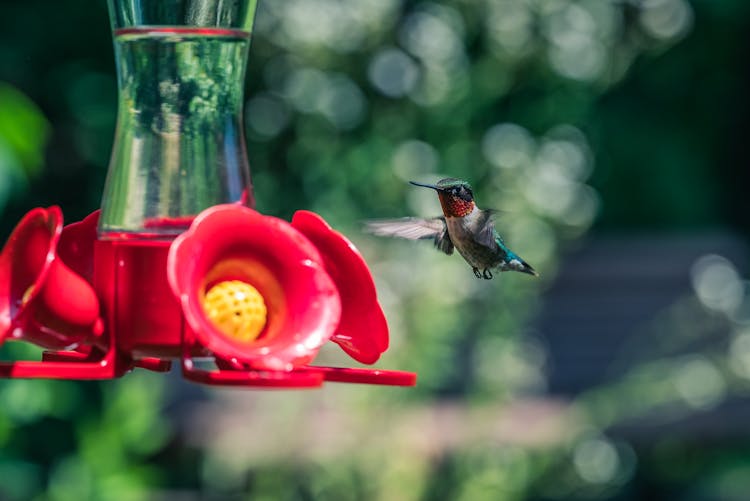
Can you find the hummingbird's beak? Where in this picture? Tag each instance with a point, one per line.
(425, 185)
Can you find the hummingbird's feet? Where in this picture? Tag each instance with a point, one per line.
(486, 274)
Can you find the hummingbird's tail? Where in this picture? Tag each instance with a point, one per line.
(518, 264)
(526, 268)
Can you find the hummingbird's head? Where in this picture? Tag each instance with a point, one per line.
(455, 195)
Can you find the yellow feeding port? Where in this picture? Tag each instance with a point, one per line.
(237, 309)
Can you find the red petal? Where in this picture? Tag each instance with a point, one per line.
(25, 262)
(363, 331)
(76, 247)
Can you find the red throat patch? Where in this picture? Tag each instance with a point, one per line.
(455, 206)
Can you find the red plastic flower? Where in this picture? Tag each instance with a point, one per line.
(41, 298)
(232, 242)
(363, 330)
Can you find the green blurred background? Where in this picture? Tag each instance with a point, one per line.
(613, 137)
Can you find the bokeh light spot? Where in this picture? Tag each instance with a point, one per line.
(429, 36)
(342, 102)
(717, 283)
(666, 19)
(304, 87)
(508, 145)
(739, 353)
(699, 382)
(266, 114)
(414, 159)
(510, 25)
(596, 460)
(393, 72)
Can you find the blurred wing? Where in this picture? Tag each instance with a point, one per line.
(487, 235)
(413, 228)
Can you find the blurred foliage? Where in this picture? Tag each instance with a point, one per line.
(23, 135)
(563, 114)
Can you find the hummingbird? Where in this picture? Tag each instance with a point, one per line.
(463, 226)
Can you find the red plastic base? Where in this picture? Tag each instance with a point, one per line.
(234, 373)
(364, 376)
(68, 365)
(305, 377)
(252, 378)
(55, 305)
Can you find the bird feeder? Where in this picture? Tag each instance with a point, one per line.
(177, 265)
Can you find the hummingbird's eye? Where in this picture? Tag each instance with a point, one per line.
(464, 193)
